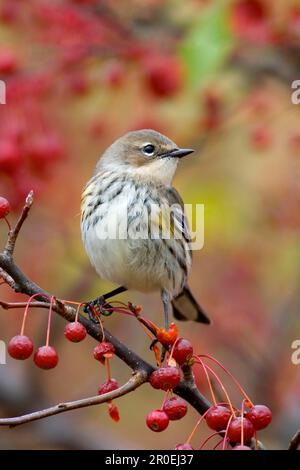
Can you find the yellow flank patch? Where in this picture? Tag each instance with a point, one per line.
(163, 223)
(86, 195)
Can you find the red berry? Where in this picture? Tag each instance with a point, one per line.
(165, 378)
(250, 10)
(45, 149)
(8, 62)
(217, 417)
(15, 130)
(147, 123)
(98, 128)
(175, 408)
(294, 142)
(260, 416)
(240, 447)
(114, 74)
(108, 386)
(9, 11)
(184, 447)
(85, 2)
(261, 138)
(78, 84)
(20, 347)
(294, 20)
(212, 110)
(183, 351)
(163, 75)
(235, 429)
(10, 156)
(75, 332)
(4, 210)
(157, 420)
(250, 20)
(103, 350)
(46, 357)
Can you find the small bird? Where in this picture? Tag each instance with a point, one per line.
(129, 192)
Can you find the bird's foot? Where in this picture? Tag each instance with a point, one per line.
(160, 359)
(163, 354)
(97, 307)
(153, 343)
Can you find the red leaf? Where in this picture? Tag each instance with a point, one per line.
(113, 412)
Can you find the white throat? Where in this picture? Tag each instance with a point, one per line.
(161, 170)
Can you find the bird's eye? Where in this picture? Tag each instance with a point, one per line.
(148, 149)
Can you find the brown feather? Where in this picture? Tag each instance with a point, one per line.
(185, 307)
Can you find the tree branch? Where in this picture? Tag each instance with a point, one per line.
(7, 279)
(295, 441)
(19, 282)
(134, 382)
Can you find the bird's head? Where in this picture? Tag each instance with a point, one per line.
(144, 153)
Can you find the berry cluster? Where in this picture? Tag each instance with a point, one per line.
(238, 429)
(174, 356)
(31, 143)
(235, 427)
(103, 352)
(166, 378)
(30, 147)
(104, 57)
(21, 346)
(253, 20)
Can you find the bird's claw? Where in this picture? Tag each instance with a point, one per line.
(89, 309)
(163, 354)
(153, 343)
(97, 307)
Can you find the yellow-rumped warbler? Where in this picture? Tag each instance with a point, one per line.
(123, 216)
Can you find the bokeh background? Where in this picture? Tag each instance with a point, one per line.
(213, 75)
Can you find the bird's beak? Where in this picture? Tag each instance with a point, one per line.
(178, 153)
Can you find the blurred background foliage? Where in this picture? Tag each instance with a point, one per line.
(214, 75)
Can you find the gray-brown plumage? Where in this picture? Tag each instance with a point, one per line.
(130, 235)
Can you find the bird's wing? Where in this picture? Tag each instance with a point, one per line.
(185, 307)
(179, 219)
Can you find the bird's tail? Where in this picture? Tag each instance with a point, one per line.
(185, 307)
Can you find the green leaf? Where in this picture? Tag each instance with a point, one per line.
(208, 43)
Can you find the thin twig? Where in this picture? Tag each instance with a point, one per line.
(10, 305)
(295, 441)
(134, 382)
(13, 234)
